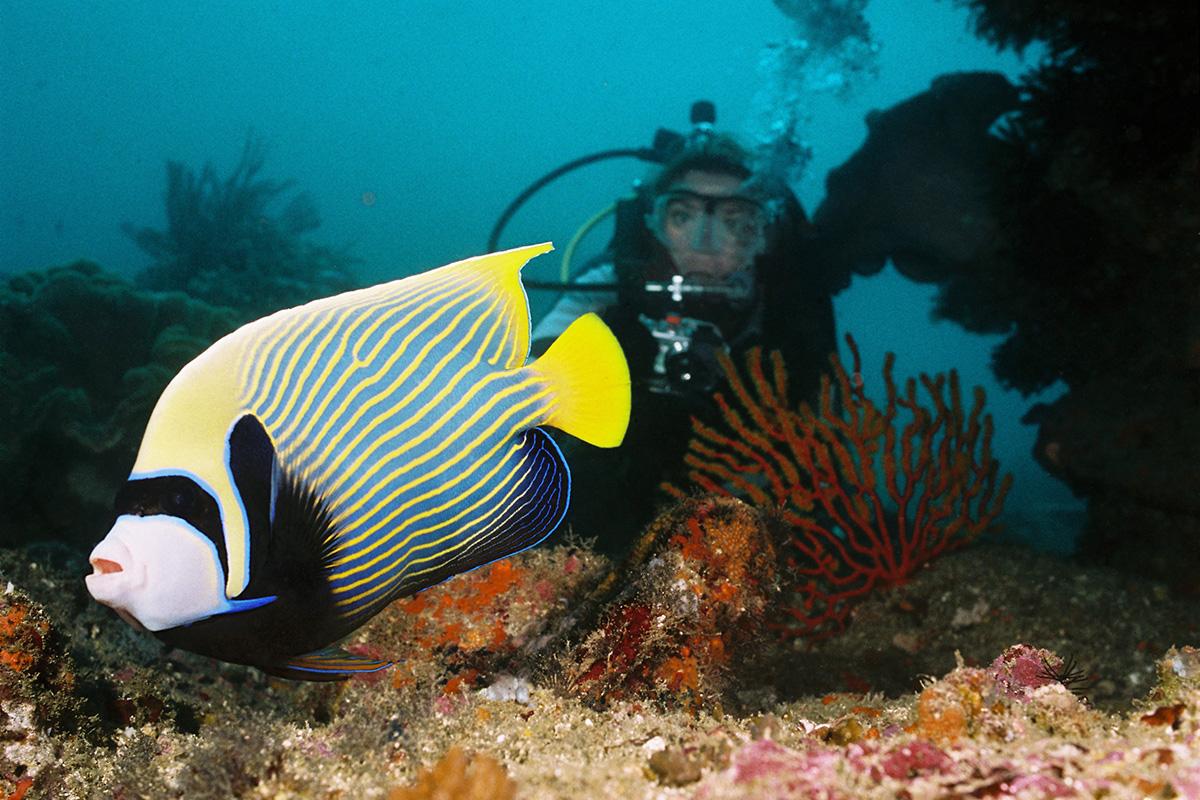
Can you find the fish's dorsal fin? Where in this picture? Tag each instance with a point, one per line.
(502, 270)
(320, 375)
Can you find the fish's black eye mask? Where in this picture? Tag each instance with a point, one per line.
(175, 496)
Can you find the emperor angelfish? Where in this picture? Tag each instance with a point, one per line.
(314, 465)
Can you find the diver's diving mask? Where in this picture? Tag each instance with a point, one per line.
(716, 221)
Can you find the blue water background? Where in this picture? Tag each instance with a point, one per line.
(413, 123)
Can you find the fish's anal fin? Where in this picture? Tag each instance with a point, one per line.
(533, 508)
(330, 664)
(590, 378)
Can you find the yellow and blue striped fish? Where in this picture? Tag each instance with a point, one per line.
(316, 464)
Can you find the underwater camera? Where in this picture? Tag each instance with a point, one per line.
(685, 361)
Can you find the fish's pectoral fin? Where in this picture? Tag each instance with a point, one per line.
(589, 376)
(253, 466)
(329, 664)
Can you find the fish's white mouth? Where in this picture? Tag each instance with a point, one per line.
(157, 572)
(111, 564)
(111, 555)
(103, 566)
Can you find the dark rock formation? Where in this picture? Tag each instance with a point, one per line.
(1071, 228)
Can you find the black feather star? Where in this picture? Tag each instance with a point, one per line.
(1067, 672)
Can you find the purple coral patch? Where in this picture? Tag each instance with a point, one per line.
(1021, 668)
(915, 759)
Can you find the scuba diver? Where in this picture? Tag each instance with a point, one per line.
(707, 256)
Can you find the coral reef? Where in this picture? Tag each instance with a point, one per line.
(1097, 192)
(708, 702)
(697, 589)
(85, 355)
(967, 737)
(870, 493)
(38, 697)
(971, 603)
(917, 192)
(224, 245)
(459, 776)
(458, 634)
(1132, 450)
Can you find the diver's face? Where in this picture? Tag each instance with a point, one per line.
(710, 230)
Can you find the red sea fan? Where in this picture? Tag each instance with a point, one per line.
(870, 493)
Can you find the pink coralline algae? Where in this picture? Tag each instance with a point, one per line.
(913, 760)
(1010, 731)
(765, 768)
(768, 769)
(1020, 669)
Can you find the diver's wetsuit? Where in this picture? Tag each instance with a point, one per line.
(614, 492)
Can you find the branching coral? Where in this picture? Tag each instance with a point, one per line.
(225, 245)
(869, 496)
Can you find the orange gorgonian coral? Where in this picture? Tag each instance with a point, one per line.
(870, 493)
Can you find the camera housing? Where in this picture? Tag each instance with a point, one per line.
(685, 361)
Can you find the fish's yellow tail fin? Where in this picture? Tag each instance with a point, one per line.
(590, 377)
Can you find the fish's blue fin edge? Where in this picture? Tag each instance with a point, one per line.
(237, 606)
(548, 482)
(329, 664)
